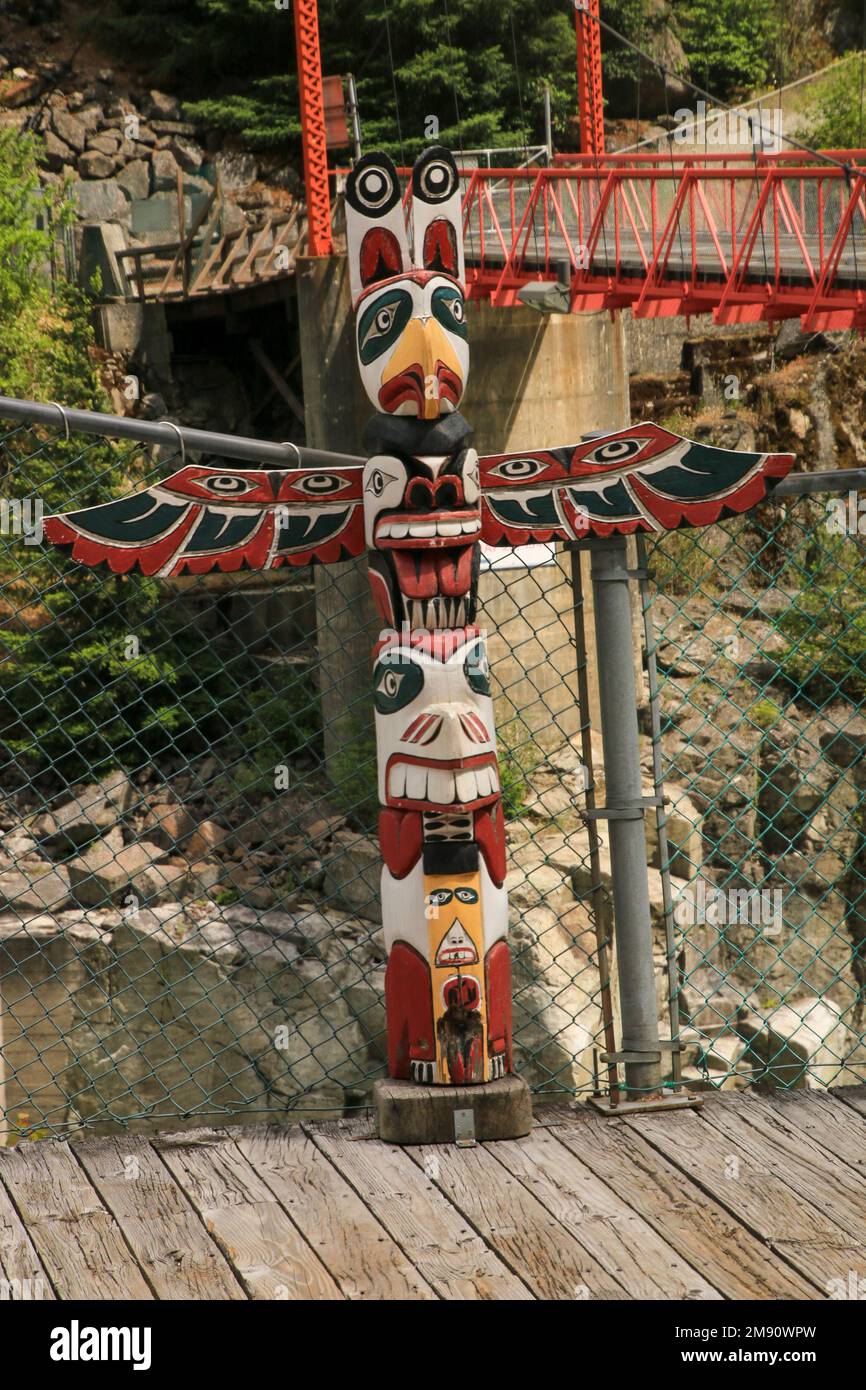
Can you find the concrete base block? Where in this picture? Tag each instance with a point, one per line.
(411, 1114)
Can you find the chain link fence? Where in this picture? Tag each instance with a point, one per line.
(190, 921)
(758, 633)
(190, 924)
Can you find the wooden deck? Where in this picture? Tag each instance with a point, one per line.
(747, 1197)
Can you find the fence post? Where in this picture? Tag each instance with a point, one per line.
(624, 812)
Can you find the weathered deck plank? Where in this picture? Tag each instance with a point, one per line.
(522, 1231)
(699, 1228)
(750, 1197)
(349, 1240)
(19, 1262)
(809, 1169)
(159, 1224)
(834, 1128)
(855, 1096)
(260, 1242)
(450, 1256)
(77, 1239)
(755, 1189)
(642, 1262)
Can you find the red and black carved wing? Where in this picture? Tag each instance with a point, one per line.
(640, 479)
(203, 518)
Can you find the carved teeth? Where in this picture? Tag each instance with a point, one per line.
(441, 786)
(436, 614)
(423, 530)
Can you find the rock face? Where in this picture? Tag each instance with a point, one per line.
(777, 777)
(165, 1016)
(127, 159)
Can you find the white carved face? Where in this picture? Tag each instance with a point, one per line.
(434, 721)
(413, 347)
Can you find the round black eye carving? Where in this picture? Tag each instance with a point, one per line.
(615, 451)
(227, 484)
(435, 177)
(373, 187)
(519, 470)
(320, 484)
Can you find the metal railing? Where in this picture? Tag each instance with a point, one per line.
(747, 237)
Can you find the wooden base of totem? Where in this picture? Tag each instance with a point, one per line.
(411, 1114)
(642, 1107)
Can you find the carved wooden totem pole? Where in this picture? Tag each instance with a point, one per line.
(421, 506)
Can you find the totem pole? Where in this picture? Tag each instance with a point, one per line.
(421, 507)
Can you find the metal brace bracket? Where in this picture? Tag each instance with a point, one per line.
(464, 1129)
(664, 1046)
(618, 576)
(627, 810)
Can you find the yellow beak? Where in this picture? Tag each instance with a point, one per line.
(423, 344)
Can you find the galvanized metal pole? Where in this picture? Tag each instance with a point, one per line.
(232, 446)
(354, 116)
(624, 812)
(548, 127)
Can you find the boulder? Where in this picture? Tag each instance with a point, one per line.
(188, 154)
(134, 178)
(165, 170)
(236, 171)
(55, 154)
(34, 887)
(95, 165)
(101, 200)
(163, 106)
(353, 874)
(71, 129)
(106, 143)
(96, 809)
(800, 1044)
(112, 873)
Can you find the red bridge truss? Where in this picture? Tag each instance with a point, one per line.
(746, 237)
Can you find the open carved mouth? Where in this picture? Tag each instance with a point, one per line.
(415, 784)
(410, 385)
(434, 578)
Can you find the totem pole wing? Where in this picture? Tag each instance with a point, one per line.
(204, 518)
(640, 479)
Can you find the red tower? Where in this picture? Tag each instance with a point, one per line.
(589, 77)
(312, 104)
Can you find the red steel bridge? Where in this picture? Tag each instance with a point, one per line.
(741, 236)
(746, 236)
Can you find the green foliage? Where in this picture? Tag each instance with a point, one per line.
(836, 120)
(731, 45)
(765, 713)
(825, 625)
(353, 772)
(518, 758)
(97, 670)
(477, 66)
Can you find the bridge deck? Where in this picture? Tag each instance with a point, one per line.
(747, 1197)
